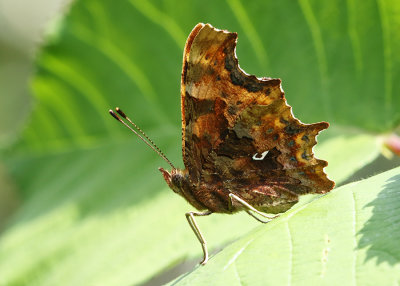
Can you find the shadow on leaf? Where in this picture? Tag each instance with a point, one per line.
(381, 233)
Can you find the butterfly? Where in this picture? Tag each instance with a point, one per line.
(243, 150)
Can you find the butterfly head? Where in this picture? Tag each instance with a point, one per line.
(176, 179)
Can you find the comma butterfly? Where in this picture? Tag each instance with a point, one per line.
(242, 147)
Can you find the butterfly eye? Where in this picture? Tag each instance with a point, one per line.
(177, 180)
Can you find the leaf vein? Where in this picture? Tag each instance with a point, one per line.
(354, 38)
(319, 48)
(161, 19)
(236, 255)
(237, 274)
(242, 17)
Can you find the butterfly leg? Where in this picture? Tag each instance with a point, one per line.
(192, 222)
(251, 208)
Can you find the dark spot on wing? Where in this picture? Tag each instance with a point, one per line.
(283, 121)
(237, 78)
(185, 67)
(210, 70)
(235, 172)
(250, 83)
(305, 156)
(290, 129)
(195, 107)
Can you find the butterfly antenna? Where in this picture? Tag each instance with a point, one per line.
(149, 142)
(120, 112)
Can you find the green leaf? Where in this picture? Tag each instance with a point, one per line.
(95, 210)
(349, 236)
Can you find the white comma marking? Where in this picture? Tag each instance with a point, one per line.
(255, 156)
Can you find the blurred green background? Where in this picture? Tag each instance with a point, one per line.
(82, 201)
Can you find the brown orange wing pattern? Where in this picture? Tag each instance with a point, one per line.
(238, 132)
